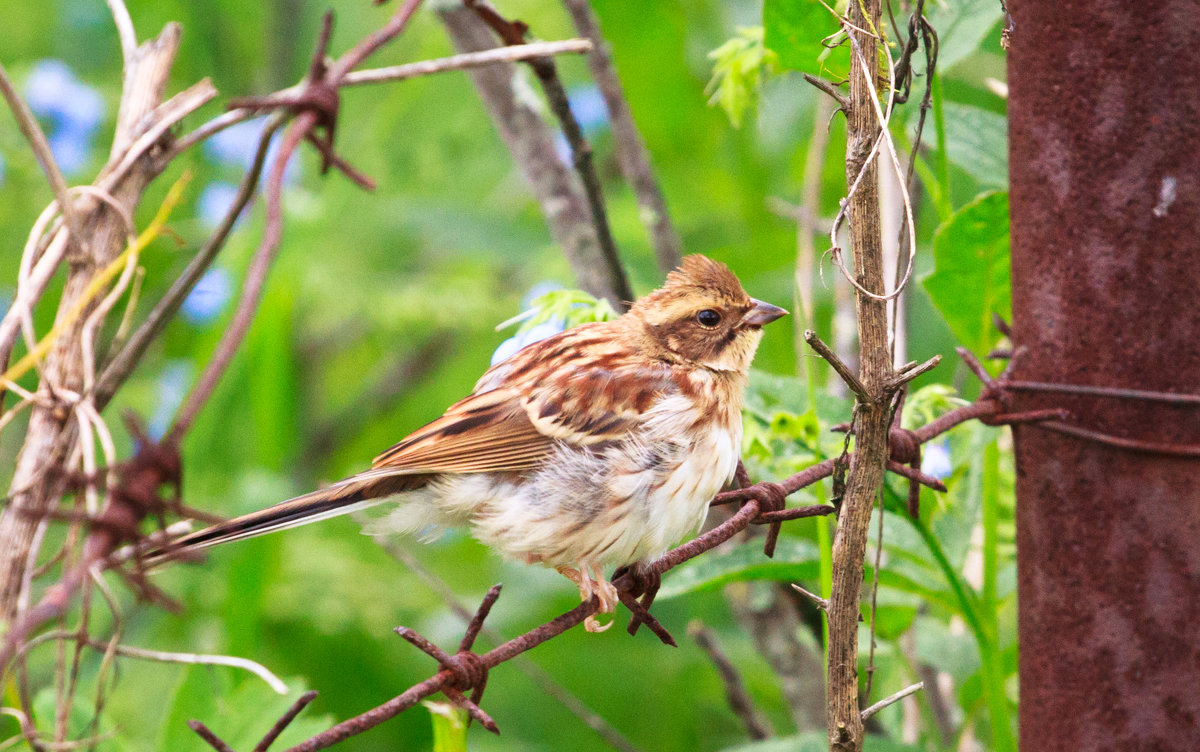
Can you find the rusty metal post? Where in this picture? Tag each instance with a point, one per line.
(1104, 121)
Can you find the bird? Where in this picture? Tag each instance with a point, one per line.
(599, 446)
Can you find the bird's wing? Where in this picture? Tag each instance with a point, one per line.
(556, 392)
(486, 432)
(599, 402)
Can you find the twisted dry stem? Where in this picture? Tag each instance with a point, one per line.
(50, 435)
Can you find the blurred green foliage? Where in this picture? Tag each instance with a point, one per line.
(382, 310)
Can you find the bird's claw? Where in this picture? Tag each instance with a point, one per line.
(592, 585)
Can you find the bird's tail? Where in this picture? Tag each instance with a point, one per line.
(344, 497)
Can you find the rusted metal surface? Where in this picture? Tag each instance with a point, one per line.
(1104, 120)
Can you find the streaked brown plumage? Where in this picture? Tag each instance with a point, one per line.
(601, 445)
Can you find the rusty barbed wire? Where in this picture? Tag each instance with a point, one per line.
(467, 671)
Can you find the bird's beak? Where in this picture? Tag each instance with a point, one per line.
(762, 313)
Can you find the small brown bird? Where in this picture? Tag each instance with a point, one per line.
(602, 445)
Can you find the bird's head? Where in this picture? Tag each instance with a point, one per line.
(702, 316)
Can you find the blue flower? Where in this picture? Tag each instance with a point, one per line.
(74, 111)
(563, 149)
(53, 92)
(587, 104)
(935, 460)
(71, 149)
(506, 349)
(172, 387)
(214, 202)
(209, 297)
(543, 330)
(510, 346)
(237, 144)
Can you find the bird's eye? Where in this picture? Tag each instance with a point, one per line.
(708, 318)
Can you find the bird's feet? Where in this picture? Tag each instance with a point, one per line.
(592, 585)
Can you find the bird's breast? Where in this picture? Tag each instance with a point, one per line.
(681, 504)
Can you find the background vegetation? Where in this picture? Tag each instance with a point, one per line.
(382, 310)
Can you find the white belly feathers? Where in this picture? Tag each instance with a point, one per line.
(612, 506)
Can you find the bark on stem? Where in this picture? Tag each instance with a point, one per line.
(843, 719)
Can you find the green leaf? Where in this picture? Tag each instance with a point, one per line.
(893, 579)
(954, 652)
(961, 26)
(449, 726)
(929, 403)
(573, 307)
(738, 69)
(795, 559)
(976, 141)
(768, 394)
(970, 281)
(79, 715)
(239, 711)
(794, 30)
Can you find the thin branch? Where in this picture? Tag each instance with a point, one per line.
(126, 359)
(200, 659)
(214, 126)
(839, 366)
(890, 699)
(546, 71)
(392, 73)
(822, 604)
(908, 373)
(735, 689)
(467, 61)
(828, 89)
(252, 288)
(45, 157)
(632, 155)
(554, 185)
(125, 30)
